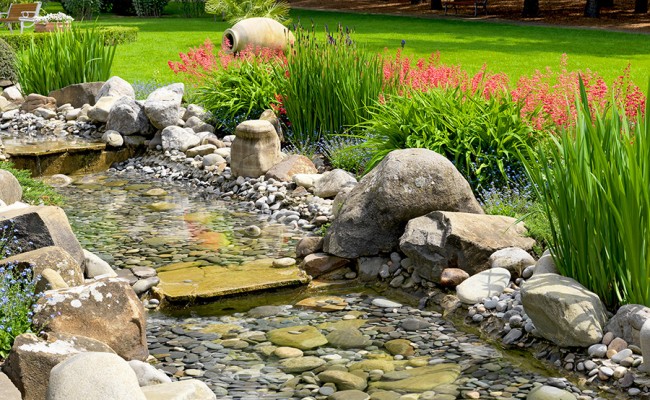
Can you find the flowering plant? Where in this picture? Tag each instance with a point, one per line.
(55, 17)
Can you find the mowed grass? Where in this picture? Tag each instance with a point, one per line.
(510, 48)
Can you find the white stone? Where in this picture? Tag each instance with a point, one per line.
(113, 138)
(488, 283)
(99, 112)
(95, 266)
(384, 303)
(91, 375)
(190, 389)
(148, 374)
(514, 259)
(306, 180)
(549, 393)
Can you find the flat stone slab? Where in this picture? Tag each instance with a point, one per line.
(15, 148)
(323, 303)
(186, 282)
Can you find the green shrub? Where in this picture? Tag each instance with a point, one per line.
(149, 8)
(331, 83)
(243, 89)
(65, 58)
(7, 62)
(112, 35)
(234, 11)
(345, 153)
(20, 42)
(480, 136)
(192, 8)
(593, 182)
(115, 35)
(82, 9)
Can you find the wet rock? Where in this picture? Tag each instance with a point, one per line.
(343, 380)
(318, 264)
(309, 245)
(399, 346)
(418, 380)
(301, 364)
(348, 339)
(301, 337)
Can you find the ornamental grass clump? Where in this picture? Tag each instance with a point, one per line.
(65, 58)
(331, 83)
(17, 293)
(593, 182)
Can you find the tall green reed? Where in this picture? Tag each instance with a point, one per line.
(331, 84)
(65, 58)
(593, 181)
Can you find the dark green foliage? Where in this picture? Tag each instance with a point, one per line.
(113, 35)
(480, 136)
(82, 9)
(7, 62)
(149, 8)
(192, 8)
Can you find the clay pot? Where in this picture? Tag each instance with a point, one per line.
(257, 32)
(51, 26)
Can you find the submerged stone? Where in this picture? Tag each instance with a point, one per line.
(183, 282)
(300, 337)
(419, 380)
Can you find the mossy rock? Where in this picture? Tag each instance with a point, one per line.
(300, 337)
(418, 380)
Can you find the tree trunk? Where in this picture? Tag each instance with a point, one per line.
(436, 4)
(641, 6)
(591, 9)
(531, 8)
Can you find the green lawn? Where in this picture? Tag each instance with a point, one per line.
(510, 48)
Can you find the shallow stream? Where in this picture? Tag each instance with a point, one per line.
(115, 215)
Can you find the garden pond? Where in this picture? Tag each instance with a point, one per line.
(303, 342)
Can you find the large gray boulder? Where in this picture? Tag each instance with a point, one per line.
(42, 226)
(563, 311)
(116, 87)
(32, 358)
(628, 321)
(127, 117)
(10, 189)
(177, 138)
(93, 376)
(107, 310)
(163, 105)
(78, 94)
(255, 150)
(405, 185)
(443, 239)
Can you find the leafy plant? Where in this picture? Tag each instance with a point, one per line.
(232, 87)
(234, 11)
(192, 8)
(330, 86)
(82, 9)
(593, 182)
(34, 191)
(7, 62)
(345, 153)
(149, 8)
(65, 58)
(518, 200)
(481, 136)
(17, 294)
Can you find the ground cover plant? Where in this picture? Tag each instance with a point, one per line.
(593, 183)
